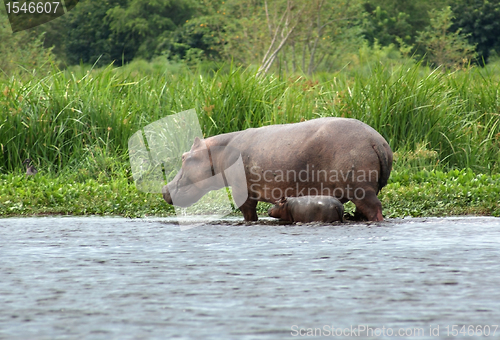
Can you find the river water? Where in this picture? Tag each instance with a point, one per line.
(117, 278)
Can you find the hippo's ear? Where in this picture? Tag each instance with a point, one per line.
(196, 143)
(281, 201)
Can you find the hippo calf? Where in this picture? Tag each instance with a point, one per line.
(306, 209)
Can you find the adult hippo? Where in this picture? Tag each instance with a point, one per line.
(306, 209)
(339, 157)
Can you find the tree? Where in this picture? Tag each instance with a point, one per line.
(84, 35)
(116, 30)
(144, 23)
(200, 38)
(444, 47)
(481, 21)
(246, 37)
(326, 26)
(23, 51)
(390, 21)
(386, 28)
(301, 34)
(279, 33)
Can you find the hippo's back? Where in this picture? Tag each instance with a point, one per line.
(343, 144)
(342, 132)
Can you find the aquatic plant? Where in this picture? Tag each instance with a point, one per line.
(73, 119)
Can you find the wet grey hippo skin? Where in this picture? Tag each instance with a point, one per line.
(339, 157)
(306, 209)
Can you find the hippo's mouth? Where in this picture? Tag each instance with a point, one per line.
(180, 198)
(166, 195)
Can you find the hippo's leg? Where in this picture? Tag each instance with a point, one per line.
(249, 210)
(369, 206)
(343, 200)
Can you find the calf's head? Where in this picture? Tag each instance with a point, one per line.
(279, 210)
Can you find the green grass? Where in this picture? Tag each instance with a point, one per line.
(61, 119)
(75, 125)
(438, 193)
(68, 195)
(417, 194)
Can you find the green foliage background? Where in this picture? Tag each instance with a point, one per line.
(424, 74)
(324, 33)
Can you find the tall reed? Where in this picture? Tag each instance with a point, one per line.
(68, 117)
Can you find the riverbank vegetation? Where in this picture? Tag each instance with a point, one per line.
(443, 126)
(430, 84)
(409, 193)
(83, 119)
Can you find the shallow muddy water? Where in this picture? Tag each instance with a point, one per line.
(116, 278)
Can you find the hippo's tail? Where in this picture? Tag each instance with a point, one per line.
(384, 154)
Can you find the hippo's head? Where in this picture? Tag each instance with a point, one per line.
(195, 178)
(278, 210)
(274, 212)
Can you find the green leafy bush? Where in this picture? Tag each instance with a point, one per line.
(22, 54)
(438, 193)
